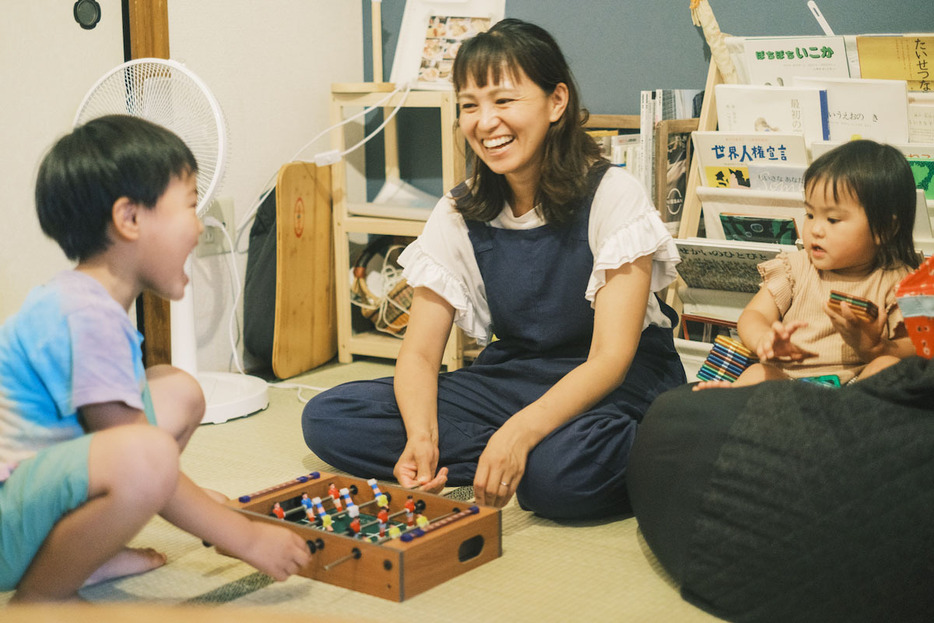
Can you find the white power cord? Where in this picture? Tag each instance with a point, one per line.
(232, 328)
(327, 157)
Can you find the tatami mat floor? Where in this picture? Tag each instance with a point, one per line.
(601, 570)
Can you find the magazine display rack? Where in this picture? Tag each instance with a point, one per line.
(353, 214)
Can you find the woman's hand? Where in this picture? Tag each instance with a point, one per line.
(776, 343)
(416, 467)
(500, 467)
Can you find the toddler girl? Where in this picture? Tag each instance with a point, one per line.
(860, 201)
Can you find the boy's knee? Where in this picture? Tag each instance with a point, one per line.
(141, 463)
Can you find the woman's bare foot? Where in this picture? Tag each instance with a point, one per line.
(129, 561)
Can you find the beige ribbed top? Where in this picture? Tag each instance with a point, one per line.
(800, 290)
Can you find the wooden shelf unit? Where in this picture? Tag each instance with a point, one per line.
(349, 197)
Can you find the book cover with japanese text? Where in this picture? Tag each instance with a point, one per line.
(775, 60)
(760, 108)
(780, 177)
(721, 155)
(864, 108)
(723, 265)
(908, 57)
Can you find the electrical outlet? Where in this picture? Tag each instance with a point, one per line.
(212, 240)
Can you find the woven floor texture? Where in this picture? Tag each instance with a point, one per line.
(601, 570)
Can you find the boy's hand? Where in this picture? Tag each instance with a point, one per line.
(275, 550)
(776, 343)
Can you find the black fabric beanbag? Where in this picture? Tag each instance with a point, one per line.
(789, 501)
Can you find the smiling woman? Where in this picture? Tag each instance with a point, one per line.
(549, 409)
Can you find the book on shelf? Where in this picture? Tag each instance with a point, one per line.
(724, 157)
(760, 108)
(646, 168)
(664, 105)
(776, 60)
(920, 158)
(776, 230)
(757, 203)
(907, 57)
(777, 177)
(864, 108)
(725, 265)
(921, 117)
(675, 180)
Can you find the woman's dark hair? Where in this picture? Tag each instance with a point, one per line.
(880, 178)
(88, 170)
(507, 47)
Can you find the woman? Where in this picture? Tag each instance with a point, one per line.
(557, 254)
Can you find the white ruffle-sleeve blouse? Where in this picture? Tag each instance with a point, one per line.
(623, 227)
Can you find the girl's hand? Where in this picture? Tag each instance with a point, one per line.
(500, 467)
(416, 467)
(862, 336)
(776, 343)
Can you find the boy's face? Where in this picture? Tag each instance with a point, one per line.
(171, 232)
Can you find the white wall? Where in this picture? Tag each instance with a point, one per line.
(47, 64)
(270, 64)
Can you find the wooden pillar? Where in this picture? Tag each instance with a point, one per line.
(147, 25)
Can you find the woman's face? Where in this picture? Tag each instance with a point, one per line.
(505, 123)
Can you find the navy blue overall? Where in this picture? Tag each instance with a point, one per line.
(535, 282)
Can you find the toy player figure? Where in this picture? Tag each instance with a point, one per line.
(328, 522)
(277, 511)
(410, 511)
(383, 517)
(306, 501)
(335, 496)
(355, 526)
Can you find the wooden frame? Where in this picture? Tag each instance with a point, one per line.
(147, 22)
(453, 166)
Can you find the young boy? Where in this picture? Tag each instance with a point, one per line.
(89, 440)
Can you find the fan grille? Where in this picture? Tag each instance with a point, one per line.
(168, 94)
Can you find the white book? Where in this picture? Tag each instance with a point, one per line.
(776, 60)
(766, 204)
(647, 141)
(758, 108)
(864, 108)
(780, 177)
(722, 156)
(920, 117)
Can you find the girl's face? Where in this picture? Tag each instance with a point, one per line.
(836, 233)
(505, 123)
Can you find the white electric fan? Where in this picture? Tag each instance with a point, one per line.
(167, 93)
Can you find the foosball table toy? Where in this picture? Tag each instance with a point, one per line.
(391, 544)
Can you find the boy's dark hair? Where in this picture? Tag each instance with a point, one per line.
(89, 169)
(880, 178)
(508, 46)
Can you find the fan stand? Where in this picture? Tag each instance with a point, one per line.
(228, 395)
